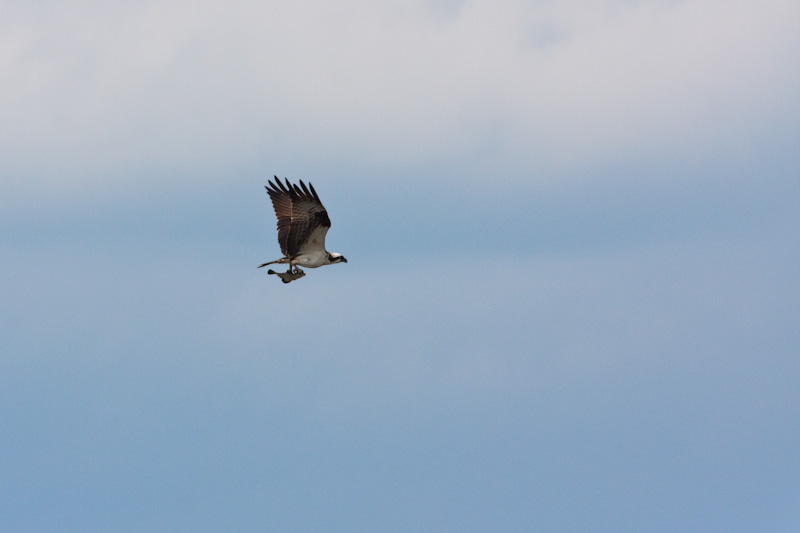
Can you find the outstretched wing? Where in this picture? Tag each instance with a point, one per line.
(302, 219)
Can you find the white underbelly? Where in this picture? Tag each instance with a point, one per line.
(313, 260)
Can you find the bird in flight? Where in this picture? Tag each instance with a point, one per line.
(302, 225)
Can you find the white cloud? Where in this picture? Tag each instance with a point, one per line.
(89, 90)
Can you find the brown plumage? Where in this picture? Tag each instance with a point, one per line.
(299, 212)
(303, 224)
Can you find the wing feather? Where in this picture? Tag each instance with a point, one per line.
(301, 216)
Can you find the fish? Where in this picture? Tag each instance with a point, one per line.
(288, 276)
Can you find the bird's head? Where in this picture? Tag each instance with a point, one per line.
(333, 257)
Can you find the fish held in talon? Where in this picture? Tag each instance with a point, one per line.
(288, 276)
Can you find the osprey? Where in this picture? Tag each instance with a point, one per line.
(302, 226)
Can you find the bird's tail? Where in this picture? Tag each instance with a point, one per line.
(281, 260)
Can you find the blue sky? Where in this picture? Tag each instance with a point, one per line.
(572, 295)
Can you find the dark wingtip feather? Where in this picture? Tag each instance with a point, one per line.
(292, 189)
(277, 187)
